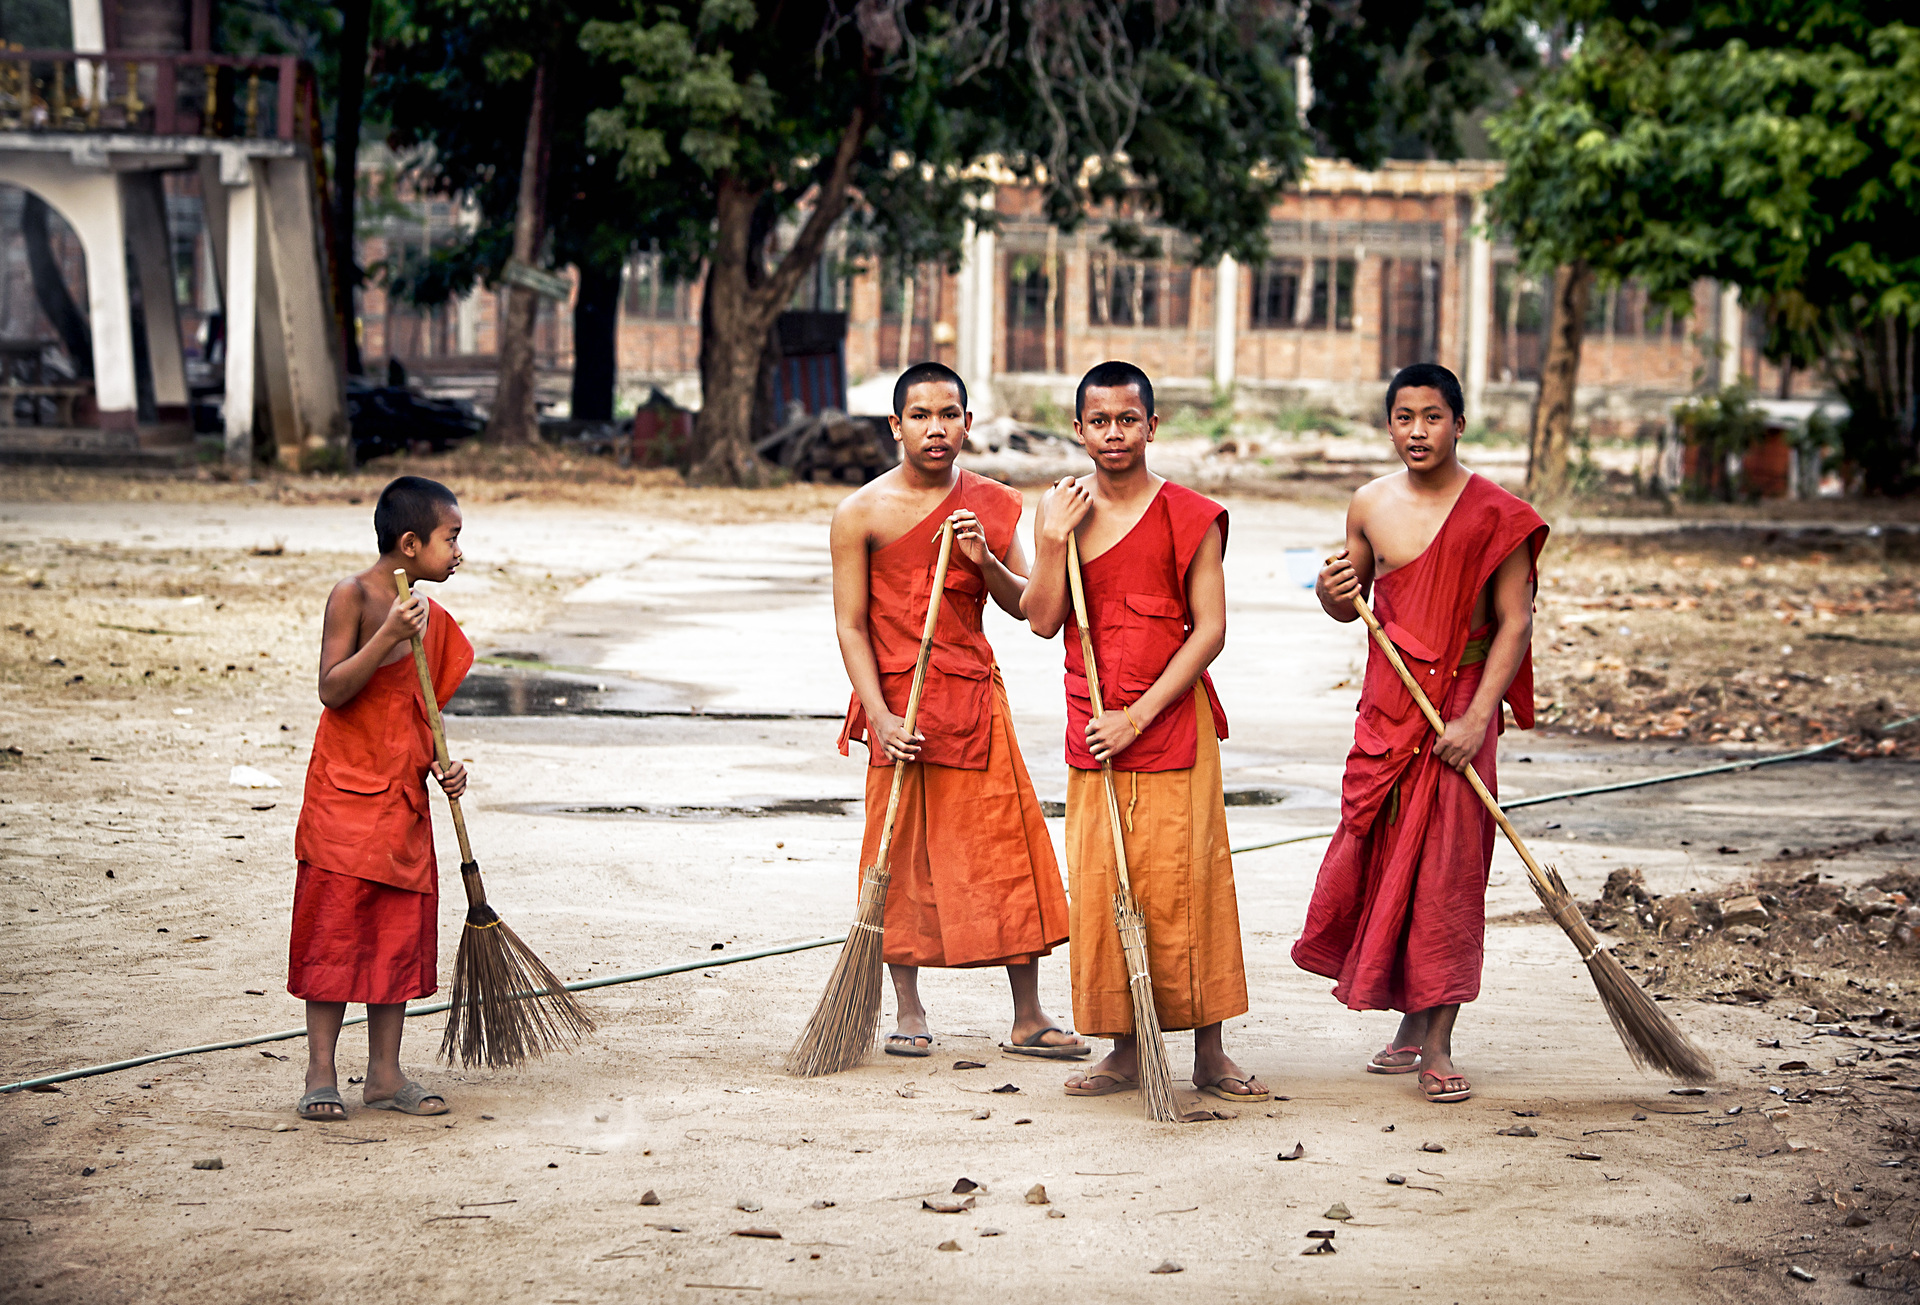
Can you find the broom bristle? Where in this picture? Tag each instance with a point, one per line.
(1652, 1039)
(506, 1006)
(1156, 1076)
(839, 1035)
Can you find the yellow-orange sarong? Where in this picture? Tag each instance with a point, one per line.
(1182, 872)
(974, 877)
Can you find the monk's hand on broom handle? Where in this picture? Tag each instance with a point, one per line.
(1541, 882)
(432, 700)
(919, 683)
(1077, 587)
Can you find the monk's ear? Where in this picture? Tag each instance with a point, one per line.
(410, 544)
(893, 421)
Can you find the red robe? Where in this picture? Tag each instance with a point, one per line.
(1137, 605)
(1398, 915)
(974, 880)
(366, 894)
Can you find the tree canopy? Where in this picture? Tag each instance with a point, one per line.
(1768, 144)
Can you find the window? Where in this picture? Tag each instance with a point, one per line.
(1281, 302)
(1134, 292)
(652, 294)
(1276, 295)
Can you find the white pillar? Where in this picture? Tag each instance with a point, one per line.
(985, 300)
(466, 322)
(963, 311)
(1730, 324)
(243, 263)
(94, 211)
(1479, 309)
(89, 37)
(1226, 321)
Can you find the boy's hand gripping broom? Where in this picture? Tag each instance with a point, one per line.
(1652, 1040)
(506, 1004)
(840, 1033)
(1156, 1078)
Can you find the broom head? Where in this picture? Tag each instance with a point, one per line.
(1653, 1041)
(507, 1006)
(840, 1033)
(1150, 1047)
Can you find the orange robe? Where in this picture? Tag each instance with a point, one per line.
(1169, 788)
(974, 882)
(366, 893)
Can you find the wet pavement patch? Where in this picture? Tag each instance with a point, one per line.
(522, 693)
(747, 810)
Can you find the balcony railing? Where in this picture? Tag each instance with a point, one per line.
(225, 97)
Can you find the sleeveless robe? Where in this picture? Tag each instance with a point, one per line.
(975, 882)
(1398, 914)
(366, 892)
(1169, 786)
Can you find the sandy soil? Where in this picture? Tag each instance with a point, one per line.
(117, 823)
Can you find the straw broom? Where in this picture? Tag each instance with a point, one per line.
(1652, 1040)
(506, 1005)
(1156, 1078)
(840, 1032)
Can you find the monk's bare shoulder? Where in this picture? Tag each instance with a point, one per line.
(1371, 497)
(857, 510)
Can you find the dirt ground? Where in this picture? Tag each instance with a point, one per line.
(160, 632)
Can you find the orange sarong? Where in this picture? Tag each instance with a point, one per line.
(1182, 873)
(367, 891)
(975, 882)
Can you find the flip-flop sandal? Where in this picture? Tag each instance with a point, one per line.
(410, 1100)
(906, 1044)
(1032, 1046)
(1446, 1093)
(1375, 1067)
(1077, 1085)
(1249, 1097)
(323, 1096)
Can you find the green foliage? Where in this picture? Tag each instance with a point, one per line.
(1770, 144)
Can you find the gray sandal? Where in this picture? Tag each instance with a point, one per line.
(324, 1096)
(409, 1100)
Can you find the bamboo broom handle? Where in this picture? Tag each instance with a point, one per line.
(440, 749)
(1078, 589)
(1541, 883)
(919, 683)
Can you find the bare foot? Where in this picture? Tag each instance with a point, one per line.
(1219, 1071)
(324, 1076)
(1394, 1060)
(1055, 1035)
(1440, 1080)
(1121, 1065)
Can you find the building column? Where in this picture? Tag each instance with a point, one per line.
(239, 301)
(151, 247)
(1479, 309)
(95, 201)
(976, 315)
(1730, 332)
(1226, 322)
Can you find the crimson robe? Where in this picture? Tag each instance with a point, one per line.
(1398, 914)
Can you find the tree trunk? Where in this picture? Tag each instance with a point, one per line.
(351, 94)
(596, 324)
(1874, 370)
(737, 315)
(1559, 375)
(514, 419)
(50, 286)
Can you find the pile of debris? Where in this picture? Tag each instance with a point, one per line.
(830, 447)
(1824, 947)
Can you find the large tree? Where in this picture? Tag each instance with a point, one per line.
(1768, 144)
(1185, 111)
(455, 87)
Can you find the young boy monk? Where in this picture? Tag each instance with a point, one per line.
(367, 893)
(1398, 916)
(974, 879)
(1150, 553)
